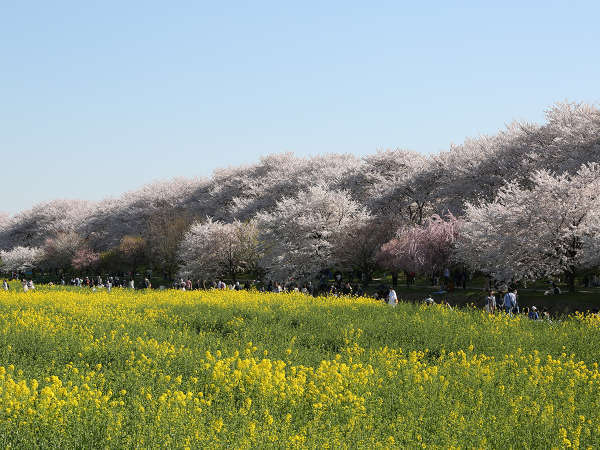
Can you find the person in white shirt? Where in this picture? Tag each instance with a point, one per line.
(510, 301)
(392, 298)
(490, 302)
(5, 285)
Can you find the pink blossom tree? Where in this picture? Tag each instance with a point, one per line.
(425, 249)
(85, 259)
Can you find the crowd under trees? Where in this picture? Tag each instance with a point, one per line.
(523, 204)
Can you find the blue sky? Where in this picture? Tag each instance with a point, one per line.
(97, 98)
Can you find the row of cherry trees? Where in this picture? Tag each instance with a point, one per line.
(398, 210)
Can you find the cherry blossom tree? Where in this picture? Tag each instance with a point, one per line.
(425, 249)
(552, 228)
(301, 234)
(478, 168)
(399, 255)
(215, 249)
(358, 248)
(244, 191)
(112, 219)
(395, 191)
(31, 228)
(164, 233)
(132, 252)
(85, 259)
(4, 220)
(20, 259)
(59, 251)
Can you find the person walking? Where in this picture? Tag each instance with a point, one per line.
(490, 302)
(392, 298)
(510, 301)
(5, 285)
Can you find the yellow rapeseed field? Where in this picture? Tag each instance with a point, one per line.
(175, 369)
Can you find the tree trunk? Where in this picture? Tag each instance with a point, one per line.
(571, 280)
(366, 278)
(395, 279)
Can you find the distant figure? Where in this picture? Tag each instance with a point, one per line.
(131, 284)
(108, 285)
(533, 314)
(392, 298)
(556, 290)
(147, 283)
(490, 302)
(347, 290)
(510, 301)
(5, 285)
(429, 301)
(25, 287)
(30, 285)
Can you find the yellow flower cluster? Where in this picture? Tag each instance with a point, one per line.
(244, 369)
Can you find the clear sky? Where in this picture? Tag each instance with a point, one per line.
(97, 98)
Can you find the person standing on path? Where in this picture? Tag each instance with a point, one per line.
(392, 298)
(510, 301)
(490, 302)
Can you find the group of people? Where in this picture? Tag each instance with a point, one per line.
(108, 283)
(188, 285)
(509, 302)
(510, 305)
(27, 285)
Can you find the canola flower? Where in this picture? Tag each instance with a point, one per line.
(243, 369)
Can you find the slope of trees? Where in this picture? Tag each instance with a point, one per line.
(295, 203)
